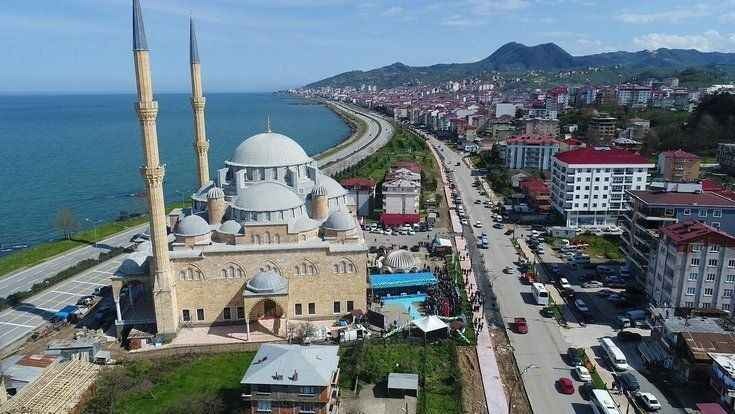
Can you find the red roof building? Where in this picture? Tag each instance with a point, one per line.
(532, 140)
(601, 155)
(358, 183)
(538, 194)
(409, 165)
(685, 233)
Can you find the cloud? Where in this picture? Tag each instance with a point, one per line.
(492, 7)
(668, 16)
(459, 21)
(707, 41)
(393, 11)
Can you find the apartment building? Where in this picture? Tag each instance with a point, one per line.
(679, 166)
(650, 210)
(534, 151)
(634, 95)
(693, 266)
(292, 379)
(601, 129)
(588, 185)
(401, 194)
(361, 192)
(541, 126)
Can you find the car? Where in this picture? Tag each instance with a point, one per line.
(564, 283)
(498, 226)
(582, 373)
(465, 222)
(628, 336)
(581, 306)
(547, 312)
(540, 251)
(520, 325)
(478, 201)
(592, 284)
(508, 270)
(85, 300)
(585, 390)
(456, 164)
(629, 381)
(648, 400)
(555, 268)
(574, 357)
(566, 385)
(478, 224)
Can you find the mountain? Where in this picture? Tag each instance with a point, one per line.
(516, 57)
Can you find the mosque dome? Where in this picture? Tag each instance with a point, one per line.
(134, 264)
(269, 149)
(334, 189)
(267, 196)
(192, 225)
(400, 261)
(215, 192)
(340, 221)
(267, 282)
(230, 227)
(319, 190)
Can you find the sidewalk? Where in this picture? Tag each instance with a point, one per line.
(620, 399)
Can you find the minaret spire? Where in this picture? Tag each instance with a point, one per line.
(268, 123)
(164, 285)
(201, 144)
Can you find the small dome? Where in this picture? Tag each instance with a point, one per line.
(301, 224)
(268, 196)
(192, 225)
(400, 261)
(319, 190)
(215, 192)
(269, 149)
(134, 264)
(267, 282)
(230, 227)
(340, 221)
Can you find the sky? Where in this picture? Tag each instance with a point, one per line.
(84, 46)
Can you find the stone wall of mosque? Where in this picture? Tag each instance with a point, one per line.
(317, 280)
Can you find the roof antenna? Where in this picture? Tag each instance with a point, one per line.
(268, 123)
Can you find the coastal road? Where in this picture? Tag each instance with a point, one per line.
(22, 280)
(17, 323)
(379, 131)
(542, 348)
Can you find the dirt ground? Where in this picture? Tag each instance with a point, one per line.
(473, 393)
(509, 373)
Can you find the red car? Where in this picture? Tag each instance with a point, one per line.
(521, 325)
(566, 386)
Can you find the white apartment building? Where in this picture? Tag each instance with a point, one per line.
(588, 185)
(530, 151)
(401, 196)
(693, 267)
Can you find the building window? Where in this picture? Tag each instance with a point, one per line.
(691, 291)
(350, 306)
(185, 315)
(726, 306)
(695, 261)
(226, 314)
(710, 277)
(669, 212)
(312, 308)
(696, 247)
(297, 309)
(714, 248)
(337, 307)
(264, 406)
(693, 276)
(240, 312)
(687, 211)
(706, 305)
(702, 212)
(713, 262)
(200, 314)
(308, 391)
(688, 304)
(716, 224)
(727, 293)
(717, 213)
(708, 291)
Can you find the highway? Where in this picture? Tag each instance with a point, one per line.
(379, 131)
(538, 353)
(23, 279)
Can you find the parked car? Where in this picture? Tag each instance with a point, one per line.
(629, 381)
(566, 385)
(520, 325)
(628, 336)
(592, 284)
(478, 224)
(648, 400)
(582, 373)
(581, 306)
(574, 357)
(564, 283)
(547, 312)
(508, 270)
(498, 225)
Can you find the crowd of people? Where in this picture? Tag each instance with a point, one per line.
(443, 299)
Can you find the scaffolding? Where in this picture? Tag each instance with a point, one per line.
(62, 388)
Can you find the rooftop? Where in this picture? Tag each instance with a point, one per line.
(671, 198)
(398, 381)
(602, 155)
(357, 182)
(679, 154)
(692, 231)
(726, 361)
(281, 364)
(701, 344)
(382, 281)
(532, 140)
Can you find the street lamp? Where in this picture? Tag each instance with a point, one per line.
(94, 228)
(518, 379)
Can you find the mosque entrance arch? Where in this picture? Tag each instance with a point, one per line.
(266, 315)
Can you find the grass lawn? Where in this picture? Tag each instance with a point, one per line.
(37, 254)
(601, 246)
(193, 384)
(436, 365)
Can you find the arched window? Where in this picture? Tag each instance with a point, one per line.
(278, 238)
(343, 267)
(298, 271)
(224, 273)
(267, 233)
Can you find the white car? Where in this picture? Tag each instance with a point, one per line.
(592, 284)
(648, 400)
(412, 232)
(478, 224)
(582, 373)
(564, 283)
(465, 222)
(579, 303)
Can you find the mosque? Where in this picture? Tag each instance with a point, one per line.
(270, 242)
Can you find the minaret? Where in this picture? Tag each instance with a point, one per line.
(164, 289)
(201, 144)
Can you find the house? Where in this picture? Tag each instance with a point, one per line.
(361, 192)
(537, 192)
(694, 361)
(722, 378)
(292, 378)
(678, 166)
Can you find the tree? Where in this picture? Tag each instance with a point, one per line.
(66, 222)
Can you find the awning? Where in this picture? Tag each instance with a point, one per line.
(380, 281)
(396, 219)
(429, 323)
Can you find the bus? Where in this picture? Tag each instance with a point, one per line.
(540, 295)
(603, 403)
(614, 354)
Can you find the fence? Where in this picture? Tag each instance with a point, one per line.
(172, 351)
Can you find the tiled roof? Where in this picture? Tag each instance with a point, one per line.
(692, 231)
(601, 155)
(357, 182)
(679, 154)
(704, 199)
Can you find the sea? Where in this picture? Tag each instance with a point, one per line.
(83, 152)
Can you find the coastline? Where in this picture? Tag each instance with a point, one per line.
(356, 125)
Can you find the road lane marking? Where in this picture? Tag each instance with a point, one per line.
(88, 283)
(16, 324)
(67, 293)
(28, 305)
